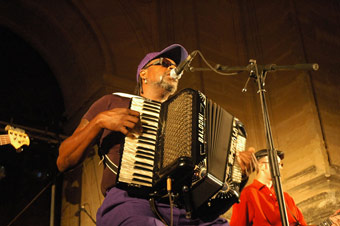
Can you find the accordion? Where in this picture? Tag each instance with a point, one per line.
(191, 140)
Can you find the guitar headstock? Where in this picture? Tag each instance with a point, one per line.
(17, 137)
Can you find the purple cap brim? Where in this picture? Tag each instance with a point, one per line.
(175, 52)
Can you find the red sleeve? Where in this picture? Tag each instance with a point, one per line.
(300, 217)
(293, 209)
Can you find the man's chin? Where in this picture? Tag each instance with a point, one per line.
(170, 79)
(170, 88)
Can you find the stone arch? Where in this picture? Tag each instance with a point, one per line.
(69, 42)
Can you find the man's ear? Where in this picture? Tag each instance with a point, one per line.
(261, 167)
(143, 73)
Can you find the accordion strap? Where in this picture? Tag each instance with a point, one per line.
(107, 162)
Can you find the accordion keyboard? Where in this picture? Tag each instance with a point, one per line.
(138, 154)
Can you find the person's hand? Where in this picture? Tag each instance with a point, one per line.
(124, 120)
(247, 160)
(335, 218)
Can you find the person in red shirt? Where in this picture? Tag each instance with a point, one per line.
(258, 204)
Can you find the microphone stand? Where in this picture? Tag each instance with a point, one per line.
(272, 154)
(259, 73)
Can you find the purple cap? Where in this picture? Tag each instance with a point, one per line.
(175, 52)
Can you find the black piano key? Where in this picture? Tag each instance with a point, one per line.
(152, 104)
(144, 157)
(146, 125)
(148, 108)
(146, 142)
(146, 139)
(143, 163)
(148, 116)
(141, 175)
(151, 108)
(148, 131)
(142, 168)
(140, 180)
(145, 153)
(144, 148)
(150, 120)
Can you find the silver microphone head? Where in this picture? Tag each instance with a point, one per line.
(174, 75)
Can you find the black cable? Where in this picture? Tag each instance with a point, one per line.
(82, 208)
(168, 182)
(154, 209)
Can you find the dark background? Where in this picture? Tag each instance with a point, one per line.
(30, 100)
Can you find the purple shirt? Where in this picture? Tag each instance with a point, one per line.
(118, 208)
(109, 140)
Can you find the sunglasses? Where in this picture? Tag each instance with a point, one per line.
(161, 61)
(280, 163)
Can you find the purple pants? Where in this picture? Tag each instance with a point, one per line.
(120, 209)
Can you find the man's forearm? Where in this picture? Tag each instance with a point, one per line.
(74, 149)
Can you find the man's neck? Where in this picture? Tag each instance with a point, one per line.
(156, 94)
(267, 182)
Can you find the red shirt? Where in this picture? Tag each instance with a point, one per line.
(259, 207)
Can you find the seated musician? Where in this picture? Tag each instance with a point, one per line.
(108, 121)
(258, 204)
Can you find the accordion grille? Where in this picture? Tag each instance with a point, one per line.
(178, 129)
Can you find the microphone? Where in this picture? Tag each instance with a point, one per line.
(177, 72)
